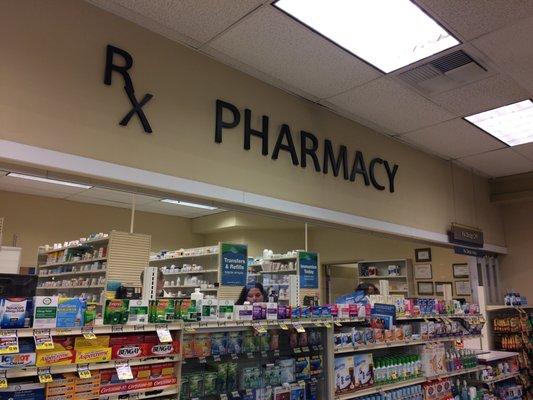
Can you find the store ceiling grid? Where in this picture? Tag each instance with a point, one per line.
(258, 39)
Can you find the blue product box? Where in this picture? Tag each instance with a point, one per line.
(70, 312)
(23, 391)
(13, 312)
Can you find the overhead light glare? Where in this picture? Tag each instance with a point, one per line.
(512, 124)
(388, 34)
(47, 180)
(187, 204)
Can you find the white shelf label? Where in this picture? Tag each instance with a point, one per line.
(124, 371)
(43, 339)
(9, 342)
(164, 334)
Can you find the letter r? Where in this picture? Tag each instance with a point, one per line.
(122, 70)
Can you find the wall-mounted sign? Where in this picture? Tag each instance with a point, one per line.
(234, 266)
(126, 64)
(308, 263)
(468, 252)
(337, 159)
(467, 236)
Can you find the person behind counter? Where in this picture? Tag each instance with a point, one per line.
(252, 293)
(359, 296)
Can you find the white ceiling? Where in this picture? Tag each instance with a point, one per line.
(257, 38)
(100, 196)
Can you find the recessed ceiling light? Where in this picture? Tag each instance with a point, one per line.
(512, 124)
(187, 204)
(388, 34)
(46, 180)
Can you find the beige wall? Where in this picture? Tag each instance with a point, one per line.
(55, 98)
(516, 268)
(39, 220)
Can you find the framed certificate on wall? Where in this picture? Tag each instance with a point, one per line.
(460, 270)
(423, 271)
(462, 288)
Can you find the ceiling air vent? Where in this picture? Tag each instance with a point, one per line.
(444, 73)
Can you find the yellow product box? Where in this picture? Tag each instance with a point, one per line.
(99, 341)
(168, 371)
(86, 355)
(80, 387)
(46, 358)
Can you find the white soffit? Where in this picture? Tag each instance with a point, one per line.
(473, 18)
(191, 21)
(453, 139)
(482, 95)
(271, 42)
(511, 49)
(500, 162)
(391, 105)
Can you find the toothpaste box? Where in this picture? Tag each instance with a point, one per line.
(70, 312)
(44, 311)
(13, 312)
(226, 309)
(244, 312)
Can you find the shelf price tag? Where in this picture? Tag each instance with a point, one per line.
(163, 333)
(124, 371)
(216, 358)
(299, 328)
(190, 329)
(297, 350)
(117, 328)
(264, 354)
(3, 379)
(43, 339)
(223, 396)
(337, 323)
(283, 326)
(9, 342)
(138, 328)
(235, 394)
(234, 356)
(88, 333)
(259, 328)
(44, 375)
(250, 355)
(202, 360)
(327, 324)
(84, 372)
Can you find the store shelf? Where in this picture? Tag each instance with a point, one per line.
(183, 257)
(496, 355)
(287, 272)
(62, 369)
(500, 378)
(98, 271)
(205, 271)
(384, 277)
(141, 394)
(80, 245)
(383, 388)
(286, 258)
(64, 263)
(99, 329)
(71, 287)
(398, 291)
(433, 316)
(501, 307)
(402, 344)
(191, 287)
(188, 326)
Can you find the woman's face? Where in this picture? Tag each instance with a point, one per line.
(371, 290)
(255, 296)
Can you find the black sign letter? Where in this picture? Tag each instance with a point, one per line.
(329, 157)
(305, 151)
(375, 183)
(391, 175)
(359, 167)
(248, 131)
(220, 123)
(285, 132)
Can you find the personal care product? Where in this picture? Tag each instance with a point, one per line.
(13, 312)
(208, 309)
(137, 312)
(116, 311)
(70, 312)
(44, 311)
(244, 312)
(226, 309)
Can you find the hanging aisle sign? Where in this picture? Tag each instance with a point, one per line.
(308, 263)
(233, 267)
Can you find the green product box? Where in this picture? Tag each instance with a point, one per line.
(116, 311)
(196, 385)
(210, 379)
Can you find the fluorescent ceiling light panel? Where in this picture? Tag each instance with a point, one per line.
(46, 180)
(187, 204)
(388, 34)
(512, 124)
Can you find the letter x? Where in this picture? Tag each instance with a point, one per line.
(137, 109)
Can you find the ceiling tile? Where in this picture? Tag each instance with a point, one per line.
(493, 92)
(28, 190)
(101, 202)
(525, 149)
(116, 196)
(270, 41)
(453, 139)
(191, 21)
(500, 162)
(473, 18)
(391, 105)
(20, 183)
(511, 50)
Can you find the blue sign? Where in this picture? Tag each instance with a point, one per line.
(234, 266)
(469, 252)
(308, 270)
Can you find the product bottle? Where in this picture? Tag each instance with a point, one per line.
(464, 391)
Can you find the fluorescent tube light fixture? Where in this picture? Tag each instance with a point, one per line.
(388, 34)
(512, 124)
(47, 180)
(187, 204)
